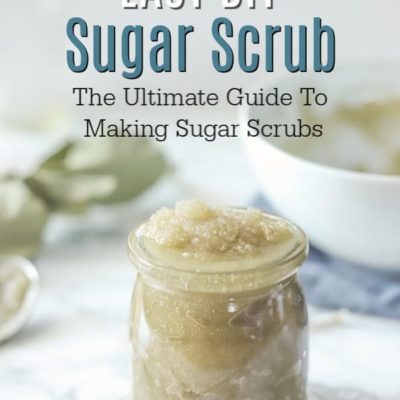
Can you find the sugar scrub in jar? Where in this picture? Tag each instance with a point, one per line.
(217, 309)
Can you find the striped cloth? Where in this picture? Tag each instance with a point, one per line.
(336, 284)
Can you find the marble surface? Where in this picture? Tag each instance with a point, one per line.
(76, 347)
(76, 344)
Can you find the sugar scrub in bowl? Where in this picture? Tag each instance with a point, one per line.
(342, 187)
(217, 310)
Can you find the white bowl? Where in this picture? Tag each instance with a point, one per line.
(351, 215)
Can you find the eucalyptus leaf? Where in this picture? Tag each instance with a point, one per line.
(70, 193)
(23, 217)
(103, 171)
(134, 163)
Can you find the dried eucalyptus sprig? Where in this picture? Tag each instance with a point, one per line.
(78, 175)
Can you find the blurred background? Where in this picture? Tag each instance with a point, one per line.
(68, 204)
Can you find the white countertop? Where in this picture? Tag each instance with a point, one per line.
(76, 344)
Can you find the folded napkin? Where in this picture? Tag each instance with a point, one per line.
(336, 284)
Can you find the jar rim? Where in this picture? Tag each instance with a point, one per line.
(262, 274)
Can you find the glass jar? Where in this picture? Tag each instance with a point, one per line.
(219, 335)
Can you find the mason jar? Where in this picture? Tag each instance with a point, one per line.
(219, 333)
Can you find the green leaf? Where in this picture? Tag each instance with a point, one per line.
(102, 171)
(23, 217)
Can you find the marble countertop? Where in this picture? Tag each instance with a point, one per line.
(76, 346)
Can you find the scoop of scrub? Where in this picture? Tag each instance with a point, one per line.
(19, 284)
